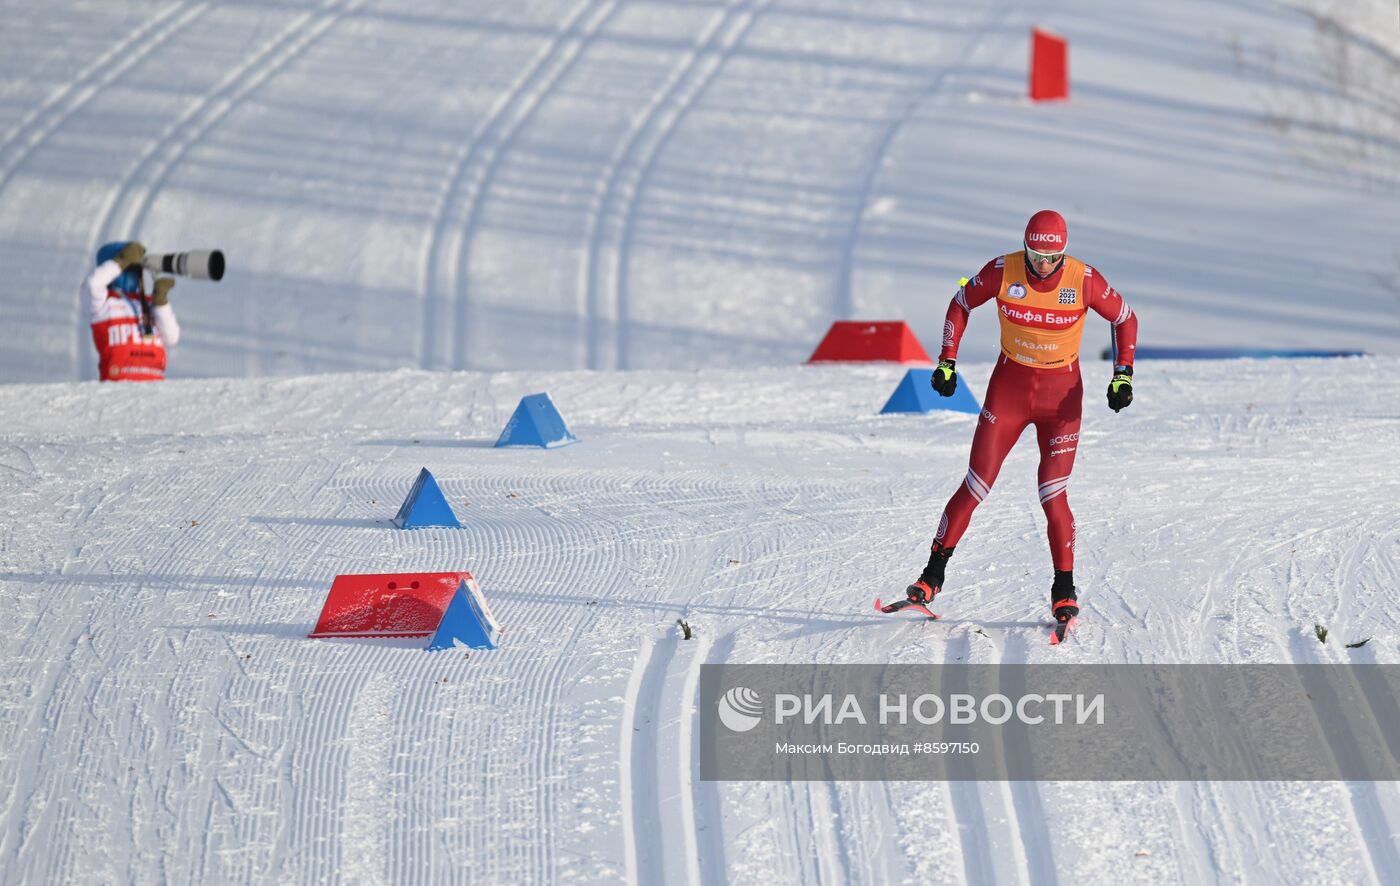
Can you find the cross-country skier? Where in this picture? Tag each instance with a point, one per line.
(1042, 295)
(129, 328)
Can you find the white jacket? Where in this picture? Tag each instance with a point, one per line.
(101, 308)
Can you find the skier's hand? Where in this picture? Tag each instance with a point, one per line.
(130, 256)
(1120, 390)
(162, 291)
(945, 377)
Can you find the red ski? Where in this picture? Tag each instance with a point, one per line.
(901, 605)
(1064, 622)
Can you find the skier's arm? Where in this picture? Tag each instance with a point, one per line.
(1108, 304)
(979, 289)
(94, 288)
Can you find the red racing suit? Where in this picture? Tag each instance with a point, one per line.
(125, 352)
(1036, 381)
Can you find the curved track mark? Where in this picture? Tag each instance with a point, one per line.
(698, 74)
(482, 162)
(41, 122)
(194, 125)
(635, 782)
(660, 764)
(469, 175)
(708, 816)
(844, 303)
(128, 206)
(628, 167)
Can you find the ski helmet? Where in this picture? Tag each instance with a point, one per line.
(130, 280)
(1046, 232)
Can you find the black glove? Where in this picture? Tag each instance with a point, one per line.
(945, 377)
(162, 291)
(1120, 390)
(130, 256)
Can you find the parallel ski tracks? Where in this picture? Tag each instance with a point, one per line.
(447, 315)
(127, 208)
(612, 215)
(36, 127)
(844, 302)
(1374, 817)
(660, 766)
(986, 812)
(664, 800)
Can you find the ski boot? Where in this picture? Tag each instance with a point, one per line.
(1064, 604)
(930, 582)
(921, 593)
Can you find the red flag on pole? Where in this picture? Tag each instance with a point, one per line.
(1049, 66)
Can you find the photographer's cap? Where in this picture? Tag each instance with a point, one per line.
(130, 280)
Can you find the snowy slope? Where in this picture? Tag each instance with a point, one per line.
(607, 184)
(164, 550)
(692, 192)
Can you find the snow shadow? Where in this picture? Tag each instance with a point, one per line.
(445, 443)
(342, 522)
(499, 597)
(297, 631)
(282, 630)
(164, 580)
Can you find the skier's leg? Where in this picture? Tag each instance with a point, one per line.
(1003, 419)
(1057, 431)
(1005, 415)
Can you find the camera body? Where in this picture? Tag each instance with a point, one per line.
(199, 264)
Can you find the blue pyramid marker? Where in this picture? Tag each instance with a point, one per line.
(916, 394)
(425, 506)
(467, 620)
(536, 423)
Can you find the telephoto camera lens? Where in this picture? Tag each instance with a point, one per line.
(200, 264)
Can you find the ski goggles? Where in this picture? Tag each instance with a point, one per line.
(1051, 257)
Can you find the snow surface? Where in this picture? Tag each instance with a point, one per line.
(166, 549)
(691, 192)
(606, 184)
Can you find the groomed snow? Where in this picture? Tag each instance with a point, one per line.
(164, 716)
(605, 184)
(652, 211)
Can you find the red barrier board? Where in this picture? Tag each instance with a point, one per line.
(400, 605)
(858, 341)
(1049, 66)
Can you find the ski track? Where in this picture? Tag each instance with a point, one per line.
(36, 127)
(126, 209)
(480, 167)
(844, 302)
(234, 750)
(1367, 808)
(456, 216)
(709, 817)
(986, 821)
(658, 756)
(1027, 806)
(624, 178)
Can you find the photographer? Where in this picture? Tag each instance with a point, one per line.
(129, 328)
